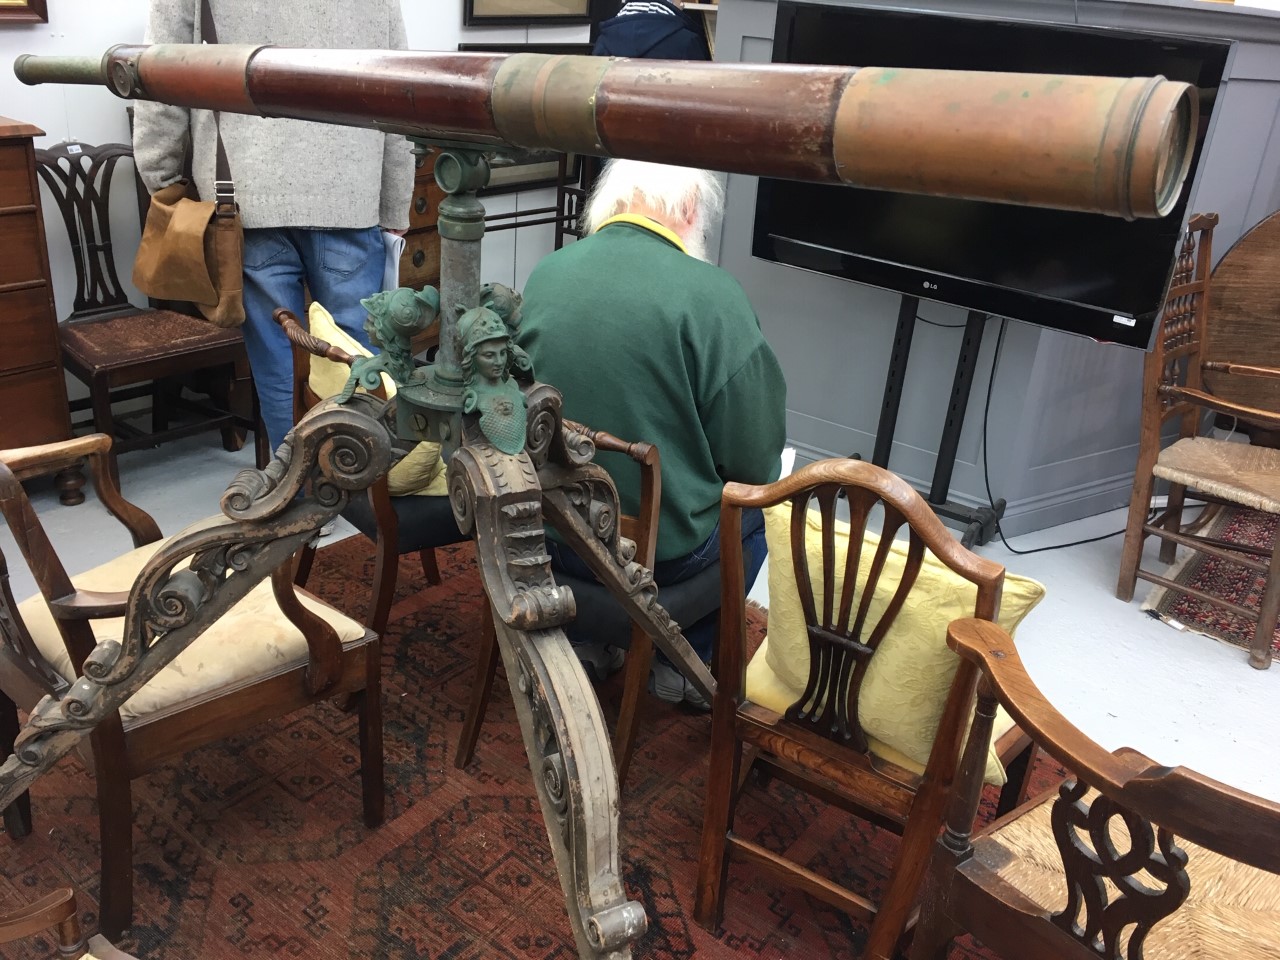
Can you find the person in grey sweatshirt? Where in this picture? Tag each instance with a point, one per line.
(314, 198)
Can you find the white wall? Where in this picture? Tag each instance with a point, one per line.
(94, 115)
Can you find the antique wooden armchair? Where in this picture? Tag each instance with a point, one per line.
(1130, 859)
(122, 352)
(396, 524)
(249, 646)
(884, 625)
(599, 615)
(57, 912)
(1180, 384)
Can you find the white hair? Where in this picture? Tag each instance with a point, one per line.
(673, 193)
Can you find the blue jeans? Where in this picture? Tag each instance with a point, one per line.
(338, 267)
(701, 635)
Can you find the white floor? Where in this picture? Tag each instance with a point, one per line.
(1121, 676)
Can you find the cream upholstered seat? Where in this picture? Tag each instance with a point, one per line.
(249, 643)
(1232, 910)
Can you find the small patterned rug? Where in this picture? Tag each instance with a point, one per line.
(253, 848)
(1220, 578)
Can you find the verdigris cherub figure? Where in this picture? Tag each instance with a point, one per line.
(506, 303)
(490, 390)
(394, 317)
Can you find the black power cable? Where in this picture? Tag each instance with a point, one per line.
(986, 472)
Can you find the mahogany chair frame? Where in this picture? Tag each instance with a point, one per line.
(818, 745)
(119, 754)
(56, 910)
(1173, 388)
(1158, 805)
(116, 348)
(642, 528)
(387, 543)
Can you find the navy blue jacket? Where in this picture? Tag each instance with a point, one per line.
(655, 35)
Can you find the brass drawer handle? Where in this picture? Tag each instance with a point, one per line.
(419, 258)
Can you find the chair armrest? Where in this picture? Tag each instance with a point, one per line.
(1207, 400)
(55, 456)
(90, 605)
(1242, 369)
(56, 909)
(302, 337)
(990, 646)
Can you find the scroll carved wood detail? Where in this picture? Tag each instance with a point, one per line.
(1095, 866)
(199, 574)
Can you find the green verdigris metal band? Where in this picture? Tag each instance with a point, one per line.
(549, 101)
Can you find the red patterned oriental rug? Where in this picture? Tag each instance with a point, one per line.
(1220, 578)
(254, 847)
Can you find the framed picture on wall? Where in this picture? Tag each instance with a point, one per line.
(24, 11)
(523, 13)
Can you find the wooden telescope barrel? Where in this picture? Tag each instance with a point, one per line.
(1097, 144)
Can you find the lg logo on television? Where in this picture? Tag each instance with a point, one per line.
(930, 286)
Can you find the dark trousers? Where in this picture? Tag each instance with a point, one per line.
(701, 635)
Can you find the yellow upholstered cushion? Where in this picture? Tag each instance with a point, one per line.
(327, 377)
(420, 472)
(907, 682)
(250, 641)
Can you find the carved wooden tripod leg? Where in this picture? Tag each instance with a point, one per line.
(572, 765)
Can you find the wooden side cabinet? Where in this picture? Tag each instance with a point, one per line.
(420, 262)
(33, 393)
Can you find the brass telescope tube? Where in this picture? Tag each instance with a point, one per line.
(1097, 144)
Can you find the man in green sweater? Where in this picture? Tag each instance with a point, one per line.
(648, 341)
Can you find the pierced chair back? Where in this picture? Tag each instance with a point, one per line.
(90, 654)
(396, 524)
(818, 743)
(1176, 378)
(121, 351)
(1130, 859)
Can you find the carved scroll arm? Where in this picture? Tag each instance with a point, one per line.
(646, 612)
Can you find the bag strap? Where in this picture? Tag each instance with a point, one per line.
(224, 189)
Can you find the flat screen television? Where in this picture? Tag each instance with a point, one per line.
(1087, 274)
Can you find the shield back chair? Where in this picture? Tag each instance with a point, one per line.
(601, 617)
(274, 651)
(1179, 384)
(123, 352)
(1130, 859)
(397, 524)
(57, 912)
(854, 696)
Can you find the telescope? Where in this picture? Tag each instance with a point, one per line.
(1098, 144)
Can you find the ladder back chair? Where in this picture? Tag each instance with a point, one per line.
(853, 597)
(1129, 859)
(122, 352)
(258, 648)
(1179, 384)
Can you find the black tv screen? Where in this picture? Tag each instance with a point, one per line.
(1099, 276)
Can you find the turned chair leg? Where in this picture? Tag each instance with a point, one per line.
(372, 776)
(634, 684)
(486, 670)
(1264, 633)
(430, 570)
(17, 816)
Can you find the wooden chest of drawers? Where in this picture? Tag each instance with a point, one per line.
(420, 262)
(33, 393)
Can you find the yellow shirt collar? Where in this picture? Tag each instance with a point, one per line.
(651, 225)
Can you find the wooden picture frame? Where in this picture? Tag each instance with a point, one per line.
(24, 11)
(524, 13)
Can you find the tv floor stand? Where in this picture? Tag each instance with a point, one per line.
(979, 522)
